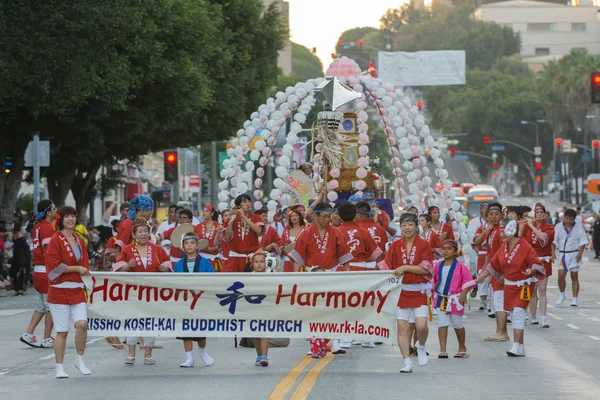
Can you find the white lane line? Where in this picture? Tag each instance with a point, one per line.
(581, 313)
(595, 319)
(549, 306)
(552, 287)
(556, 317)
(598, 302)
(95, 340)
(47, 357)
(594, 337)
(573, 326)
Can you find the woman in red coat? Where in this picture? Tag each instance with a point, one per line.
(142, 256)
(66, 262)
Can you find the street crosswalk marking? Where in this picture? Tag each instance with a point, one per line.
(8, 313)
(595, 319)
(556, 317)
(573, 326)
(594, 337)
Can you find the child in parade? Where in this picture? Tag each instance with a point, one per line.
(192, 262)
(259, 264)
(452, 280)
(319, 346)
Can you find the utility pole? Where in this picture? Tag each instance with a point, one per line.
(36, 170)
(213, 172)
(198, 168)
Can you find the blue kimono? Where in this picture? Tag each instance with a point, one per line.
(201, 264)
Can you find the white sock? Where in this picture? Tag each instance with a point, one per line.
(521, 349)
(78, 358)
(202, 351)
(189, 355)
(574, 298)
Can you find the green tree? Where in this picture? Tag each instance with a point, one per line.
(305, 66)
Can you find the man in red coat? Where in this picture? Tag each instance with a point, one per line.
(42, 233)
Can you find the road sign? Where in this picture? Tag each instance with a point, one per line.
(586, 157)
(191, 183)
(452, 142)
(44, 154)
(538, 159)
(557, 177)
(566, 144)
(570, 150)
(462, 157)
(537, 151)
(498, 147)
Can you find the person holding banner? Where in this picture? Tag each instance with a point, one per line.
(410, 258)
(241, 234)
(139, 207)
(540, 235)
(142, 256)
(452, 281)
(321, 245)
(209, 230)
(66, 261)
(259, 265)
(519, 266)
(193, 262)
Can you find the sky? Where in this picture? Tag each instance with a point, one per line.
(319, 23)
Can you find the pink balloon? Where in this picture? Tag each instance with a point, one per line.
(361, 185)
(361, 173)
(258, 194)
(363, 162)
(335, 172)
(263, 161)
(271, 141)
(333, 184)
(363, 138)
(234, 181)
(233, 192)
(395, 161)
(416, 163)
(266, 151)
(257, 205)
(260, 172)
(363, 150)
(258, 183)
(391, 140)
(332, 196)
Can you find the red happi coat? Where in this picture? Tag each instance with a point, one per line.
(444, 228)
(482, 251)
(435, 242)
(511, 265)
(493, 242)
(212, 235)
(42, 234)
(284, 241)
(155, 257)
(326, 252)
(271, 236)
(419, 255)
(543, 247)
(244, 240)
(376, 231)
(59, 256)
(383, 219)
(360, 243)
(110, 245)
(124, 233)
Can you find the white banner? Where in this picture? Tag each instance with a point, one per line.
(422, 68)
(352, 305)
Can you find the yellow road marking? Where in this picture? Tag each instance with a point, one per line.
(287, 383)
(307, 384)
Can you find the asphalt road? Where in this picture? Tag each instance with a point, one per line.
(562, 362)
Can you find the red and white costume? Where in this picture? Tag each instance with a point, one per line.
(511, 265)
(110, 245)
(364, 250)
(66, 294)
(436, 244)
(155, 257)
(444, 228)
(271, 236)
(484, 287)
(286, 240)
(376, 231)
(124, 233)
(212, 235)
(383, 219)
(416, 289)
(242, 244)
(543, 245)
(328, 252)
(42, 234)
(175, 253)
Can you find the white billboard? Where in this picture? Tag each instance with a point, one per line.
(422, 68)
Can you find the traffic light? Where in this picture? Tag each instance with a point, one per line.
(538, 178)
(332, 55)
(420, 105)
(486, 139)
(171, 166)
(340, 43)
(8, 163)
(452, 152)
(360, 43)
(372, 69)
(538, 165)
(495, 176)
(596, 143)
(595, 88)
(558, 142)
(496, 165)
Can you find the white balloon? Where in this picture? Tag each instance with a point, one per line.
(242, 187)
(260, 145)
(223, 185)
(222, 206)
(455, 206)
(278, 183)
(254, 155)
(223, 195)
(249, 166)
(284, 161)
(281, 172)
(272, 205)
(275, 194)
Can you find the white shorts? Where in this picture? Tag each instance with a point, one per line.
(450, 319)
(62, 313)
(410, 314)
(41, 304)
(148, 341)
(499, 300)
(483, 289)
(572, 269)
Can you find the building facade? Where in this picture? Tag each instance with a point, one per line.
(284, 61)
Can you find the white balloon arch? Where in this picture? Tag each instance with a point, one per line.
(407, 135)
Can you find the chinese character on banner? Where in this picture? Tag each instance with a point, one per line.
(232, 298)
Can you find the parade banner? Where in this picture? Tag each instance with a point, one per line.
(341, 305)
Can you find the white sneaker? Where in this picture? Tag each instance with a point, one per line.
(30, 340)
(80, 365)
(517, 350)
(189, 361)
(345, 343)
(545, 324)
(422, 356)
(208, 360)
(561, 299)
(60, 372)
(336, 348)
(368, 344)
(407, 367)
(574, 302)
(47, 343)
(356, 342)
(533, 320)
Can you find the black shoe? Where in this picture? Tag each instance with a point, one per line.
(481, 308)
